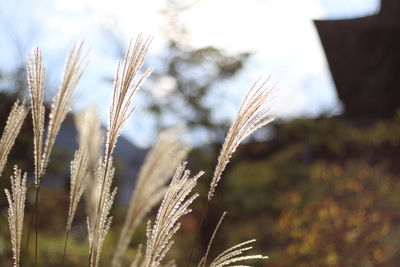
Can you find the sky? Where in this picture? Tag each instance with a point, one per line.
(279, 34)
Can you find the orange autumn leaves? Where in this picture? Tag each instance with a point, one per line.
(347, 220)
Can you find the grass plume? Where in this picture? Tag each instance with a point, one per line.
(78, 183)
(159, 165)
(252, 115)
(235, 254)
(79, 175)
(174, 205)
(16, 207)
(120, 111)
(36, 82)
(11, 130)
(61, 104)
(94, 167)
(231, 255)
(90, 136)
(124, 90)
(98, 229)
(59, 109)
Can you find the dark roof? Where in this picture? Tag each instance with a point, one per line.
(364, 58)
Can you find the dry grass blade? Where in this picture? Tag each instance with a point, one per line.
(16, 202)
(61, 103)
(174, 205)
(36, 80)
(252, 115)
(98, 229)
(120, 111)
(59, 110)
(231, 255)
(83, 167)
(13, 126)
(79, 175)
(124, 90)
(79, 180)
(91, 136)
(235, 254)
(203, 261)
(159, 165)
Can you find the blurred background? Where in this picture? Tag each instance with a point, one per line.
(318, 187)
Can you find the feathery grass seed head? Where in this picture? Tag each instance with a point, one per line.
(174, 205)
(61, 104)
(16, 206)
(125, 89)
(36, 82)
(235, 254)
(252, 115)
(158, 166)
(13, 126)
(79, 175)
(100, 223)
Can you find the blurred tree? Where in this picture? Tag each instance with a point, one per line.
(184, 76)
(191, 74)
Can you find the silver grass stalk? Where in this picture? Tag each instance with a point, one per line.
(124, 90)
(159, 165)
(59, 110)
(91, 136)
(98, 229)
(235, 254)
(92, 198)
(83, 167)
(61, 104)
(231, 255)
(120, 111)
(79, 175)
(252, 115)
(16, 202)
(203, 260)
(13, 126)
(174, 205)
(78, 183)
(36, 80)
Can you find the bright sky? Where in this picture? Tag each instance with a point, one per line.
(280, 33)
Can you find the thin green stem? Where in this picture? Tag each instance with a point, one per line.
(30, 227)
(37, 224)
(65, 247)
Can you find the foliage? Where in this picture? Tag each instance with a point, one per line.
(321, 192)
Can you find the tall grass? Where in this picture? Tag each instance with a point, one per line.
(16, 202)
(10, 132)
(92, 172)
(59, 109)
(160, 163)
